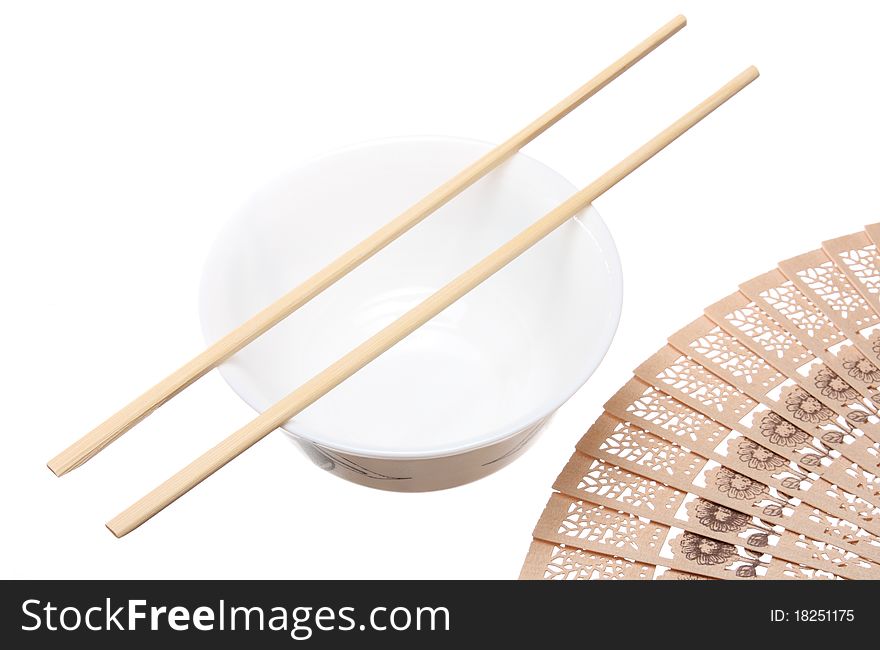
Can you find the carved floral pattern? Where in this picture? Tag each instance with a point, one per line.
(806, 408)
(737, 486)
(719, 518)
(834, 386)
(782, 432)
(862, 369)
(758, 457)
(705, 551)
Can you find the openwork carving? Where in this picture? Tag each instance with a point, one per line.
(860, 263)
(719, 350)
(588, 478)
(796, 310)
(773, 340)
(569, 563)
(637, 448)
(794, 532)
(675, 417)
(800, 427)
(626, 490)
(688, 378)
(685, 406)
(821, 335)
(747, 448)
(595, 528)
(608, 528)
(822, 401)
(818, 277)
(548, 561)
(789, 479)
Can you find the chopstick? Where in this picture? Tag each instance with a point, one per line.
(345, 367)
(111, 429)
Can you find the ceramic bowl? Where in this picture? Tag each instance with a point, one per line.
(465, 394)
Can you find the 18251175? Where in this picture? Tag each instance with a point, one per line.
(824, 615)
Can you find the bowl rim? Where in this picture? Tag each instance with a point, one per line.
(494, 436)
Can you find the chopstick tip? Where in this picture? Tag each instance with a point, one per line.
(750, 74)
(746, 77)
(674, 26)
(56, 468)
(117, 533)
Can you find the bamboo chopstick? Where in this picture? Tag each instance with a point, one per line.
(105, 433)
(336, 373)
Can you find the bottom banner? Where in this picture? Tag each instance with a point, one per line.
(280, 613)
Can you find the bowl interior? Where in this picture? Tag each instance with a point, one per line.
(504, 356)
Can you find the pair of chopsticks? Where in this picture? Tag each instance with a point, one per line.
(332, 376)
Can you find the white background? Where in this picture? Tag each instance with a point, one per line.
(129, 132)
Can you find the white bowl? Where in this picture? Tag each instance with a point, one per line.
(461, 396)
